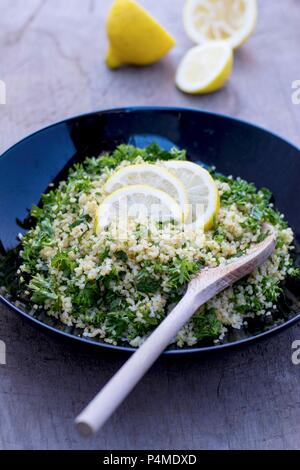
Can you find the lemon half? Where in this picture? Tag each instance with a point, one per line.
(135, 37)
(202, 191)
(229, 20)
(205, 68)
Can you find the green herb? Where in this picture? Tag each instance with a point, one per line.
(147, 283)
(117, 323)
(152, 153)
(242, 193)
(253, 305)
(113, 276)
(114, 301)
(83, 219)
(42, 289)
(95, 320)
(270, 288)
(181, 271)
(33, 243)
(63, 263)
(86, 298)
(294, 272)
(104, 255)
(206, 325)
(36, 212)
(219, 235)
(122, 256)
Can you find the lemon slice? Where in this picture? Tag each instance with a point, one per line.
(229, 20)
(139, 202)
(205, 68)
(135, 37)
(202, 190)
(152, 175)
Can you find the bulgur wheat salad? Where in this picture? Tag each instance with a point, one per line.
(118, 289)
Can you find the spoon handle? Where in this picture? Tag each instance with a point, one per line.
(206, 285)
(121, 384)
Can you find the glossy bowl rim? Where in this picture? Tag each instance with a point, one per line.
(128, 349)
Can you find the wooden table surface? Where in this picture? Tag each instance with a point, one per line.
(51, 61)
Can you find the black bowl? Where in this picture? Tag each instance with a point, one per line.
(234, 147)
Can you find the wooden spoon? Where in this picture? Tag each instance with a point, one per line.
(208, 283)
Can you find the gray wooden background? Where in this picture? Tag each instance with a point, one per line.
(51, 58)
